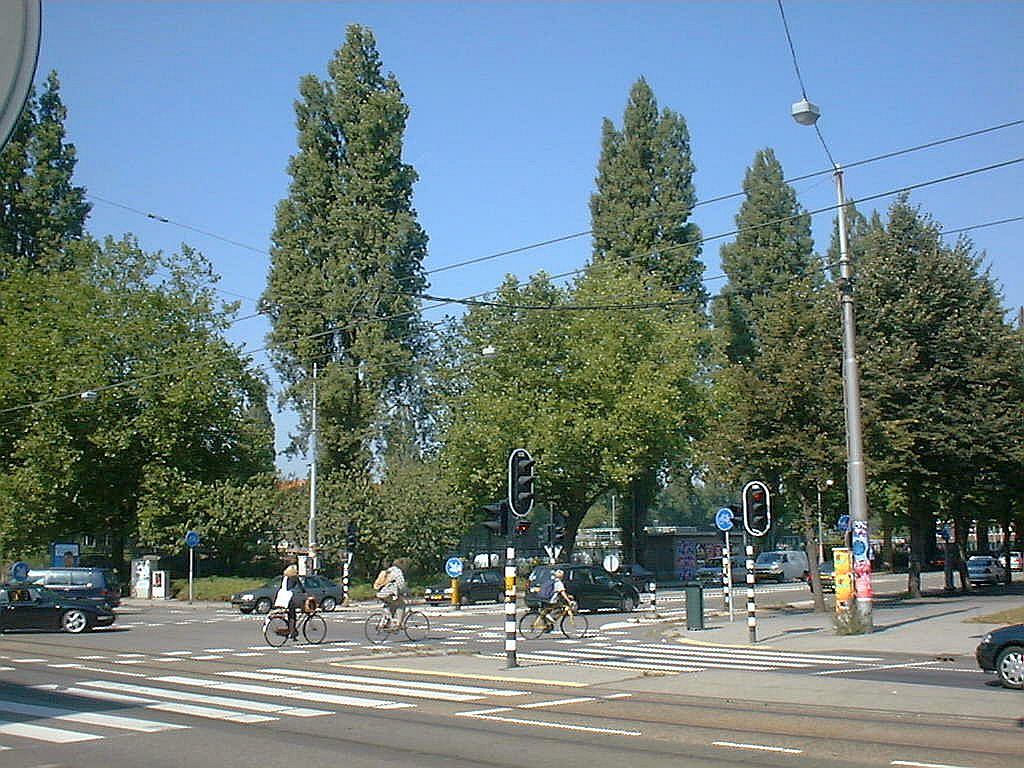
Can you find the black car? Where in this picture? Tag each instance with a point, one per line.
(1002, 651)
(28, 606)
(592, 587)
(475, 585)
(97, 584)
(637, 575)
(261, 599)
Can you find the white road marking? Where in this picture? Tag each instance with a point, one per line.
(872, 669)
(89, 718)
(315, 696)
(44, 733)
(404, 683)
(479, 715)
(393, 690)
(201, 698)
(758, 747)
(924, 765)
(557, 702)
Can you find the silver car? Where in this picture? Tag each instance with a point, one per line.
(983, 569)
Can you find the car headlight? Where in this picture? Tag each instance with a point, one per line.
(986, 639)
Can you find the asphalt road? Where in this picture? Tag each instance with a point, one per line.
(196, 685)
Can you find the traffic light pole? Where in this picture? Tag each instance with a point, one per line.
(751, 607)
(510, 604)
(344, 578)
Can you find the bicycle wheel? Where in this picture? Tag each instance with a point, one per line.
(416, 626)
(574, 625)
(376, 627)
(275, 630)
(531, 626)
(314, 628)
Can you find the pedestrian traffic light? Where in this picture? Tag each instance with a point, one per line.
(352, 537)
(498, 514)
(557, 529)
(757, 508)
(522, 527)
(520, 482)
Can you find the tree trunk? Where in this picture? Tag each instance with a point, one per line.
(917, 548)
(961, 525)
(811, 549)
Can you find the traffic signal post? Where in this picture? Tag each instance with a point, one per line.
(757, 521)
(351, 540)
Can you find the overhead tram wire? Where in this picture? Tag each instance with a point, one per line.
(443, 301)
(583, 233)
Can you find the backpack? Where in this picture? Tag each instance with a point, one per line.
(547, 590)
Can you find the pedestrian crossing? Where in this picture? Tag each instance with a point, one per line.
(91, 709)
(671, 657)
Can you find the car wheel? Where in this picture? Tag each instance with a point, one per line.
(262, 605)
(327, 604)
(1010, 667)
(75, 621)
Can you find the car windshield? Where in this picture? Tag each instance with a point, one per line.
(767, 558)
(980, 561)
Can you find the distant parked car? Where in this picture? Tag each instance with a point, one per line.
(261, 600)
(985, 569)
(98, 585)
(1016, 561)
(30, 606)
(827, 575)
(592, 587)
(475, 585)
(710, 574)
(636, 575)
(1002, 651)
(787, 565)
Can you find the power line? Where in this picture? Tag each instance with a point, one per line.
(443, 301)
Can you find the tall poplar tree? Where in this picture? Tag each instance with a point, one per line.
(640, 217)
(346, 259)
(777, 391)
(41, 210)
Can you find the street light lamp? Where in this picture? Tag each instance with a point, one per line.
(806, 113)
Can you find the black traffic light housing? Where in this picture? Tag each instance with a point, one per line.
(498, 517)
(757, 508)
(522, 527)
(520, 482)
(352, 536)
(557, 529)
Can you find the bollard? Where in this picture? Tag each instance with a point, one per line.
(510, 607)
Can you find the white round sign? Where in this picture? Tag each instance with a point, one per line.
(611, 563)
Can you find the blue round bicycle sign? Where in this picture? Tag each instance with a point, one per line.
(19, 571)
(453, 567)
(192, 539)
(723, 519)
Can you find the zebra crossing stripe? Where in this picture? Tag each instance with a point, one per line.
(181, 708)
(305, 695)
(404, 683)
(624, 663)
(394, 690)
(44, 733)
(768, 661)
(88, 718)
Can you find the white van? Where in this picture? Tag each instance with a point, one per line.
(786, 565)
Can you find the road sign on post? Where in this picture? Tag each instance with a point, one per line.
(191, 541)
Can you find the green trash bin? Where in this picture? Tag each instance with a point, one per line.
(694, 592)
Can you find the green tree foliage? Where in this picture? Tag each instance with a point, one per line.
(640, 213)
(645, 195)
(41, 210)
(346, 256)
(176, 403)
(599, 381)
(939, 391)
(777, 392)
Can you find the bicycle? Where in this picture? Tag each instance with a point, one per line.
(378, 626)
(309, 622)
(573, 624)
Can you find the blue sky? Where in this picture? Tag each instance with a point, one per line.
(185, 110)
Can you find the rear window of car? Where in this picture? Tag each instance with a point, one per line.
(980, 561)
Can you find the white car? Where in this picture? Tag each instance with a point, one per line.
(985, 569)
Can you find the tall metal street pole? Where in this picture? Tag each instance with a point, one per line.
(855, 479)
(312, 482)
